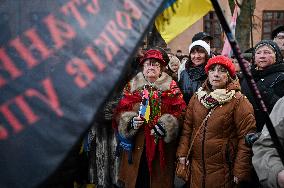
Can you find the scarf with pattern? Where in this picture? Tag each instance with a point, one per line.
(213, 98)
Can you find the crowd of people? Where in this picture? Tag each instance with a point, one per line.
(194, 109)
(200, 104)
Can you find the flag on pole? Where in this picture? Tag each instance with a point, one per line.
(178, 15)
(59, 60)
(227, 51)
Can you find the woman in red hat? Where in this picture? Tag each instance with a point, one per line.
(147, 125)
(217, 119)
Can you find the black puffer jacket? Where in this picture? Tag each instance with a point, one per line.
(270, 83)
(191, 78)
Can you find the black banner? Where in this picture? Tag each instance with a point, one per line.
(59, 60)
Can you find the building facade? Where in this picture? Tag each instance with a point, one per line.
(267, 14)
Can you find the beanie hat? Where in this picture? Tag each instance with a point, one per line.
(201, 36)
(273, 46)
(224, 61)
(153, 54)
(201, 43)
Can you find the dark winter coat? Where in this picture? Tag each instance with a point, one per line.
(191, 78)
(270, 83)
(219, 151)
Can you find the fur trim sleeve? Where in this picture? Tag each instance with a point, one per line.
(171, 126)
(123, 126)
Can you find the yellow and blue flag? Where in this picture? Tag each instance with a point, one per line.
(178, 15)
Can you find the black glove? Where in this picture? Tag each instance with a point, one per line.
(159, 130)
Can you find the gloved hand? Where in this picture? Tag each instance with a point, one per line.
(159, 130)
(137, 122)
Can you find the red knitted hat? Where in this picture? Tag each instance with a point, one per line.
(224, 61)
(153, 54)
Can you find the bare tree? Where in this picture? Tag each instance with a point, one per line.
(244, 23)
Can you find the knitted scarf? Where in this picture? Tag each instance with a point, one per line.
(216, 97)
(196, 73)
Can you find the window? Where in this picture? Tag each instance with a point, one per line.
(212, 26)
(270, 20)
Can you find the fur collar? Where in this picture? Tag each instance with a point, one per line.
(162, 83)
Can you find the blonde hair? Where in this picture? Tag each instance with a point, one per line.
(175, 60)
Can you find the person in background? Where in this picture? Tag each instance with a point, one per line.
(182, 65)
(217, 119)
(277, 36)
(170, 55)
(266, 161)
(247, 57)
(140, 53)
(192, 74)
(169, 52)
(208, 39)
(179, 55)
(248, 54)
(202, 36)
(238, 69)
(172, 68)
(268, 72)
(146, 121)
(184, 59)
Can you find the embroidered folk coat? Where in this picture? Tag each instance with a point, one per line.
(160, 154)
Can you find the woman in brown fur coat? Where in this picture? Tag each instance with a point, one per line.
(147, 126)
(219, 156)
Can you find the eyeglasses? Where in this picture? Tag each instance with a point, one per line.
(153, 64)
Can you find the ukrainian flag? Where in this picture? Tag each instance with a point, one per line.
(178, 15)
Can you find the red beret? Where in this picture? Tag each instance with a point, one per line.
(224, 61)
(153, 54)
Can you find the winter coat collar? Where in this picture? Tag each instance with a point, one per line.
(162, 83)
(258, 74)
